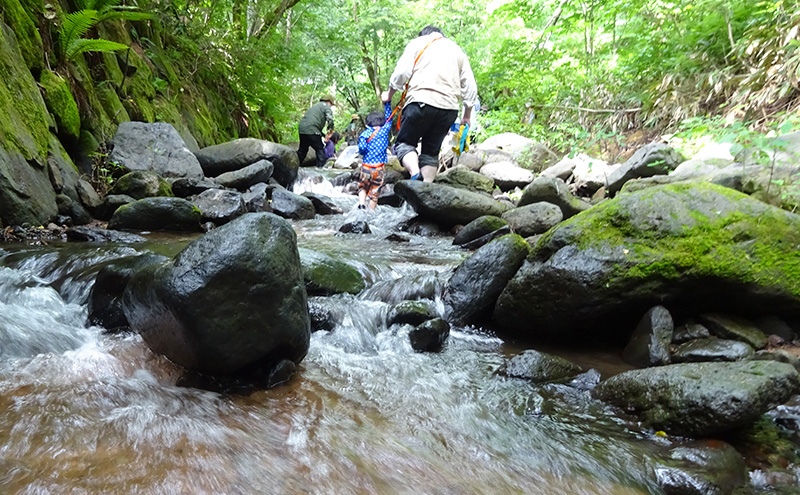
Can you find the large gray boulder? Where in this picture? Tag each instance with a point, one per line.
(231, 299)
(245, 177)
(649, 160)
(157, 214)
(233, 155)
(447, 205)
(699, 399)
(219, 206)
(471, 292)
(554, 191)
(26, 195)
(696, 246)
(536, 218)
(292, 206)
(156, 147)
(507, 175)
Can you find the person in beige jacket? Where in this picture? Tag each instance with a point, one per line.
(437, 73)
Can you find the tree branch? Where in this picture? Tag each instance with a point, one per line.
(590, 110)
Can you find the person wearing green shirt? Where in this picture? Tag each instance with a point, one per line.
(311, 126)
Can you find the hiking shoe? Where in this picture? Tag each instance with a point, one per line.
(416, 177)
(362, 207)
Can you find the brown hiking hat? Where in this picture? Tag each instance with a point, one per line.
(328, 98)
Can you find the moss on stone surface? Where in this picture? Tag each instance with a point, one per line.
(28, 38)
(93, 114)
(61, 104)
(113, 106)
(755, 245)
(23, 114)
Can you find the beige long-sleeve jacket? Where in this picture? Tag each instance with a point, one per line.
(441, 76)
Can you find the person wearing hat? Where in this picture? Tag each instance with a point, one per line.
(351, 131)
(311, 126)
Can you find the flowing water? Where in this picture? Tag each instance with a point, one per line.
(84, 412)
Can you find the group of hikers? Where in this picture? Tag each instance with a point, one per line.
(432, 74)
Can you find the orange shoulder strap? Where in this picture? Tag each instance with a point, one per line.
(399, 108)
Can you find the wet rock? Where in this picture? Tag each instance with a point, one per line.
(356, 227)
(711, 349)
(247, 176)
(219, 206)
(420, 226)
(72, 209)
(649, 344)
(472, 291)
(157, 214)
(507, 175)
(539, 367)
(398, 238)
(649, 160)
(429, 336)
(185, 187)
(553, 191)
(478, 228)
(447, 205)
(410, 313)
(463, 178)
(110, 204)
(185, 309)
(487, 238)
(87, 195)
(96, 234)
(729, 327)
(105, 298)
(779, 355)
(323, 205)
(532, 219)
(702, 468)
(321, 317)
(689, 331)
(604, 267)
(141, 184)
(256, 200)
(389, 198)
(233, 155)
(156, 147)
(292, 206)
(698, 399)
(325, 275)
(586, 381)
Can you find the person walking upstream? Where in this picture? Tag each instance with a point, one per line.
(311, 127)
(433, 73)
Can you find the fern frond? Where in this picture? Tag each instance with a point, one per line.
(75, 25)
(83, 45)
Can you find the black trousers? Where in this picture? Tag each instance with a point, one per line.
(315, 142)
(430, 124)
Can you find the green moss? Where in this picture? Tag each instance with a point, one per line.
(112, 105)
(61, 104)
(28, 38)
(765, 445)
(92, 111)
(756, 245)
(112, 70)
(23, 114)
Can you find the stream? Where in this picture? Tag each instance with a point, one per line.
(85, 412)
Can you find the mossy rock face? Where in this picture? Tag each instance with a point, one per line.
(697, 246)
(61, 104)
(24, 122)
(325, 275)
(112, 104)
(28, 38)
(93, 114)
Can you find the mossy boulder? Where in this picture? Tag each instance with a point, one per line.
(141, 184)
(696, 246)
(464, 178)
(478, 228)
(61, 104)
(324, 275)
(698, 399)
(157, 214)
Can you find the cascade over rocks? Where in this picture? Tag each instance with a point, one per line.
(699, 399)
(697, 246)
(233, 155)
(429, 336)
(155, 147)
(233, 298)
(447, 205)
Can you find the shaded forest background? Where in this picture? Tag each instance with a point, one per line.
(572, 74)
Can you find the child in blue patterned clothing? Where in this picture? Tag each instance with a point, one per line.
(372, 144)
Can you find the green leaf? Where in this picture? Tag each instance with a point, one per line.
(83, 45)
(76, 25)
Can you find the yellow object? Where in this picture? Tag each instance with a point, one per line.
(661, 434)
(461, 140)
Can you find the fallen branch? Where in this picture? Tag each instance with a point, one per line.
(590, 110)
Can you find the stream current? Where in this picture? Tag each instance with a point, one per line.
(83, 412)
